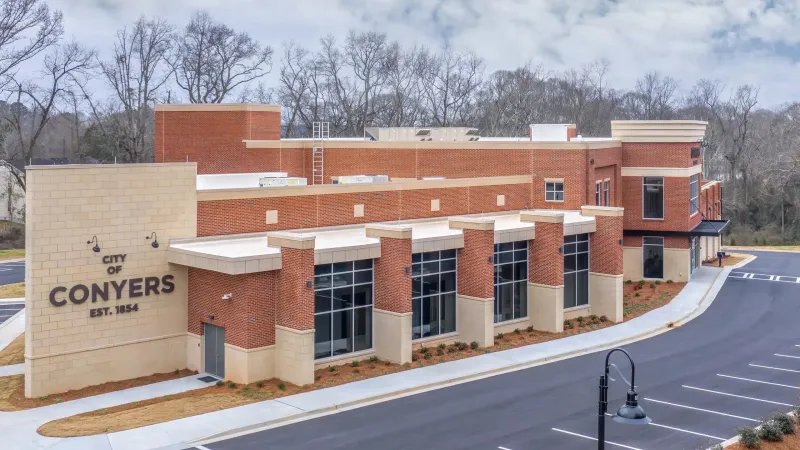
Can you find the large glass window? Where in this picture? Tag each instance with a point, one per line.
(653, 257)
(554, 191)
(597, 193)
(694, 194)
(342, 308)
(694, 253)
(576, 270)
(510, 281)
(433, 294)
(653, 197)
(605, 193)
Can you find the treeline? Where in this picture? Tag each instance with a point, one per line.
(88, 108)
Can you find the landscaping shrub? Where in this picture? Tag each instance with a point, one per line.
(637, 287)
(423, 349)
(567, 322)
(461, 346)
(669, 281)
(628, 282)
(373, 359)
(796, 412)
(603, 319)
(638, 294)
(232, 385)
(640, 283)
(220, 383)
(354, 363)
(658, 281)
(568, 325)
(652, 285)
(784, 422)
(260, 384)
(439, 351)
(593, 317)
(530, 329)
(442, 346)
(579, 319)
(428, 356)
(748, 437)
(499, 336)
(473, 345)
(770, 431)
(281, 386)
(581, 324)
(331, 369)
(516, 331)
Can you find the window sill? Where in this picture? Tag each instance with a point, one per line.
(691, 216)
(435, 338)
(554, 201)
(336, 358)
(576, 308)
(646, 218)
(511, 322)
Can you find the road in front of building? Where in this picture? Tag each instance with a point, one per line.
(7, 310)
(731, 366)
(12, 272)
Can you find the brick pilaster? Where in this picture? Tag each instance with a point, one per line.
(605, 250)
(545, 264)
(392, 269)
(295, 301)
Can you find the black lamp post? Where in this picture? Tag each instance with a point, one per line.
(630, 413)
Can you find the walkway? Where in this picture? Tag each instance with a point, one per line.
(19, 428)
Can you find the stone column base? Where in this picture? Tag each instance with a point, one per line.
(605, 295)
(392, 336)
(546, 307)
(294, 355)
(475, 320)
(243, 365)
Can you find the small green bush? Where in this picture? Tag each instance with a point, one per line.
(355, 363)
(770, 431)
(567, 322)
(638, 294)
(439, 351)
(784, 422)
(603, 319)
(281, 386)
(748, 437)
(579, 319)
(452, 349)
(461, 346)
(232, 385)
(640, 283)
(568, 325)
(516, 331)
(473, 345)
(260, 384)
(628, 282)
(428, 356)
(441, 346)
(530, 329)
(499, 336)
(581, 324)
(220, 383)
(796, 412)
(669, 281)
(423, 349)
(331, 369)
(177, 371)
(373, 359)
(658, 282)
(652, 285)
(593, 317)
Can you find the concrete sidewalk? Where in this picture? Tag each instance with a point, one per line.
(20, 427)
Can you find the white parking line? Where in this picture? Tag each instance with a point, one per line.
(503, 448)
(758, 381)
(737, 396)
(774, 368)
(200, 447)
(680, 429)
(594, 439)
(700, 409)
(787, 356)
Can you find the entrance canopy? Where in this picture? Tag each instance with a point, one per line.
(711, 228)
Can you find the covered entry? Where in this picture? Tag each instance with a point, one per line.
(214, 344)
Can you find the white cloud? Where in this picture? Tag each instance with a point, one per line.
(733, 40)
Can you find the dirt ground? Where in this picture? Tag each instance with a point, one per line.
(731, 259)
(215, 398)
(790, 442)
(16, 290)
(14, 353)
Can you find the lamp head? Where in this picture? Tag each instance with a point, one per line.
(631, 413)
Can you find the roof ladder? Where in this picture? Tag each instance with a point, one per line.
(321, 132)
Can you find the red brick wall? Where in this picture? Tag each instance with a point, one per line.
(392, 283)
(676, 205)
(569, 165)
(658, 154)
(600, 174)
(607, 164)
(475, 271)
(295, 305)
(248, 317)
(606, 252)
(669, 242)
(545, 264)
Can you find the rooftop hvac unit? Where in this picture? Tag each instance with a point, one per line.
(269, 181)
(354, 179)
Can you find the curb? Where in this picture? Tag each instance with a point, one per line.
(701, 307)
(12, 300)
(756, 249)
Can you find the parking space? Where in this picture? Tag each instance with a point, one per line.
(7, 310)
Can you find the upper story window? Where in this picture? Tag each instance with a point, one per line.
(554, 191)
(605, 193)
(694, 194)
(433, 294)
(597, 193)
(653, 197)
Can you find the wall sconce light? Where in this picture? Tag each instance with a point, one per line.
(96, 247)
(154, 238)
(308, 284)
(408, 270)
(561, 250)
(620, 242)
(591, 161)
(491, 260)
(211, 317)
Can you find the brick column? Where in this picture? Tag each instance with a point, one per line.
(392, 310)
(546, 270)
(605, 262)
(475, 300)
(294, 315)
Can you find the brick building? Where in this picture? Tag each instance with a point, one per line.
(458, 237)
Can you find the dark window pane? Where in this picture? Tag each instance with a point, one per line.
(342, 298)
(521, 245)
(503, 258)
(550, 196)
(416, 269)
(342, 332)
(520, 300)
(342, 279)
(343, 266)
(362, 295)
(447, 254)
(322, 336)
(430, 256)
(653, 261)
(570, 238)
(549, 186)
(449, 264)
(363, 264)
(416, 318)
(496, 248)
(569, 263)
(569, 290)
(416, 287)
(520, 271)
(583, 246)
(362, 329)
(506, 302)
(322, 301)
(416, 257)
(583, 237)
(365, 276)
(448, 313)
(506, 247)
(654, 180)
(430, 285)
(322, 269)
(506, 273)
(653, 198)
(430, 267)
(559, 196)
(559, 186)
(653, 241)
(583, 261)
(323, 282)
(430, 316)
(520, 255)
(447, 282)
(569, 249)
(582, 289)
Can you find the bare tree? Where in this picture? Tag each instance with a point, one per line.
(210, 60)
(27, 27)
(450, 83)
(653, 99)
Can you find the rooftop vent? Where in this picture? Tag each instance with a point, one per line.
(360, 179)
(270, 181)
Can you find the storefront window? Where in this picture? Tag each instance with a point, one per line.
(576, 270)
(653, 257)
(433, 294)
(510, 281)
(342, 308)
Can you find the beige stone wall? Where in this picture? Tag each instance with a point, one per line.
(475, 320)
(511, 325)
(546, 307)
(605, 296)
(676, 264)
(294, 355)
(632, 265)
(194, 352)
(249, 365)
(67, 348)
(392, 336)
(578, 311)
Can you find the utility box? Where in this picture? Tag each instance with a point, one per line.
(288, 181)
(356, 179)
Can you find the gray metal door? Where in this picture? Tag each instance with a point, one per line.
(214, 339)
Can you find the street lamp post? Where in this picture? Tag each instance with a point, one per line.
(630, 413)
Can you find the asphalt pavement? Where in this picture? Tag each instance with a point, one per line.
(12, 272)
(731, 366)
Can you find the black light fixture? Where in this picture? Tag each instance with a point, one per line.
(561, 250)
(154, 238)
(308, 284)
(491, 260)
(620, 242)
(408, 270)
(96, 247)
(630, 413)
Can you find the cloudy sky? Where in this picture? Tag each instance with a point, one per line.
(736, 41)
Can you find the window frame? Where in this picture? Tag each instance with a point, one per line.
(554, 191)
(439, 295)
(578, 239)
(663, 195)
(694, 194)
(515, 247)
(606, 197)
(352, 309)
(597, 193)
